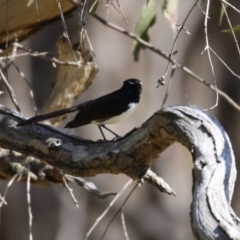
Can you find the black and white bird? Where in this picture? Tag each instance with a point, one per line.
(108, 109)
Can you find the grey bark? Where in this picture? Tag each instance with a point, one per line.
(214, 170)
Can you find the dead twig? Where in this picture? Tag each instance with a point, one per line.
(119, 210)
(10, 90)
(107, 209)
(230, 25)
(70, 190)
(180, 28)
(207, 49)
(30, 216)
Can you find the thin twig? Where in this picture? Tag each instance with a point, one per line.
(89, 186)
(37, 9)
(5, 79)
(230, 5)
(89, 42)
(122, 13)
(124, 202)
(10, 90)
(180, 28)
(166, 56)
(3, 201)
(41, 55)
(124, 225)
(31, 93)
(83, 14)
(133, 36)
(107, 209)
(169, 86)
(230, 25)
(221, 93)
(81, 37)
(111, 4)
(66, 31)
(7, 25)
(70, 190)
(30, 216)
(119, 11)
(28, 53)
(83, 20)
(7, 187)
(7, 35)
(208, 53)
(220, 59)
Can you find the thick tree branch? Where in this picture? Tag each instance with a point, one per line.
(67, 152)
(214, 164)
(214, 173)
(87, 158)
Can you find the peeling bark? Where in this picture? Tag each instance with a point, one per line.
(71, 81)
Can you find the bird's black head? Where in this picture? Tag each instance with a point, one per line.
(133, 87)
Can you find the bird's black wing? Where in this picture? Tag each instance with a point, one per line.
(104, 107)
(100, 109)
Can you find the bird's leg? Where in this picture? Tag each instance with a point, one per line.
(110, 131)
(99, 126)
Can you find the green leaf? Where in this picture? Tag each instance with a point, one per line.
(222, 13)
(94, 7)
(147, 19)
(235, 29)
(169, 10)
(30, 2)
(201, 2)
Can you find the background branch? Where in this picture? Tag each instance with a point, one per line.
(170, 60)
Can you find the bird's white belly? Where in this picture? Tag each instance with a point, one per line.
(120, 117)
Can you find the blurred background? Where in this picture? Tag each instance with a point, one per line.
(149, 214)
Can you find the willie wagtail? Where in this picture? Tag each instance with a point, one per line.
(108, 109)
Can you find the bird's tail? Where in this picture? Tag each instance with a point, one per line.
(50, 115)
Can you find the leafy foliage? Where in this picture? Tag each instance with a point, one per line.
(147, 20)
(235, 29)
(222, 13)
(169, 10)
(30, 2)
